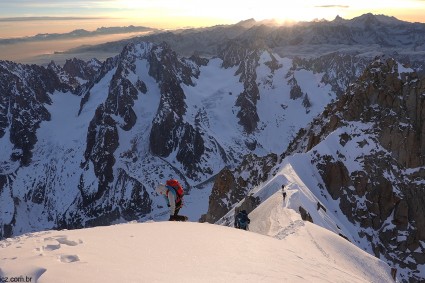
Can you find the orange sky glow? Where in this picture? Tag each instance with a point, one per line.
(170, 14)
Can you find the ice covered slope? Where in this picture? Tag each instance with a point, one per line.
(188, 252)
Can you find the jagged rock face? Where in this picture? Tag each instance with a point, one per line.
(99, 177)
(102, 136)
(224, 184)
(25, 96)
(82, 69)
(402, 121)
(232, 53)
(102, 141)
(335, 175)
(27, 89)
(111, 206)
(295, 89)
(169, 132)
(246, 56)
(85, 90)
(232, 186)
(384, 195)
(339, 69)
(198, 60)
(22, 102)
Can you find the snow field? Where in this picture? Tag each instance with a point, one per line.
(186, 252)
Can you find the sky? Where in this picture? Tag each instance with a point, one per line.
(184, 13)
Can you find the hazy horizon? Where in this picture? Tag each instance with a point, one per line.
(39, 51)
(27, 18)
(17, 27)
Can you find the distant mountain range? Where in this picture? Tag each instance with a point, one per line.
(367, 35)
(78, 33)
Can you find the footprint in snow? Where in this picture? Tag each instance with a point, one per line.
(49, 248)
(290, 229)
(9, 258)
(68, 258)
(65, 241)
(55, 243)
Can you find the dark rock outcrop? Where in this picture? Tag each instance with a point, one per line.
(169, 132)
(24, 94)
(245, 55)
(305, 215)
(339, 69)
(82, 69)
(232, 186)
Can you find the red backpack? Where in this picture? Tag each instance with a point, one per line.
(177, 187)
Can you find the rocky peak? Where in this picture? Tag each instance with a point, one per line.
(171, 136)
(198, 60)
(247, 23)
(392, 96)
(85, 89)
(339, 69)
(116, 111)
(338, 19)
(165, 66)
(24, 90)
(245, 55)
(81, 69)
(367, 20)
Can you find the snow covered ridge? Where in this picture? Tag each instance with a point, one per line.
(356, 170)
(187, 252)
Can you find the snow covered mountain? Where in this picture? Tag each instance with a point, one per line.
(357, 170)
(85, 144)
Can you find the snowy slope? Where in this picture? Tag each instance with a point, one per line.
(305, 188)
(188, 252)
(281, 219)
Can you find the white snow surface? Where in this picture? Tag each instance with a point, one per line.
(192, 252)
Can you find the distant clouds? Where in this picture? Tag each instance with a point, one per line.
(30, 19)
(336, 6)
(80, 33)
(31, 8)
(32, 2)
(173, 14)
(56, 3)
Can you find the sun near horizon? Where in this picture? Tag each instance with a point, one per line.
(167, 14)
